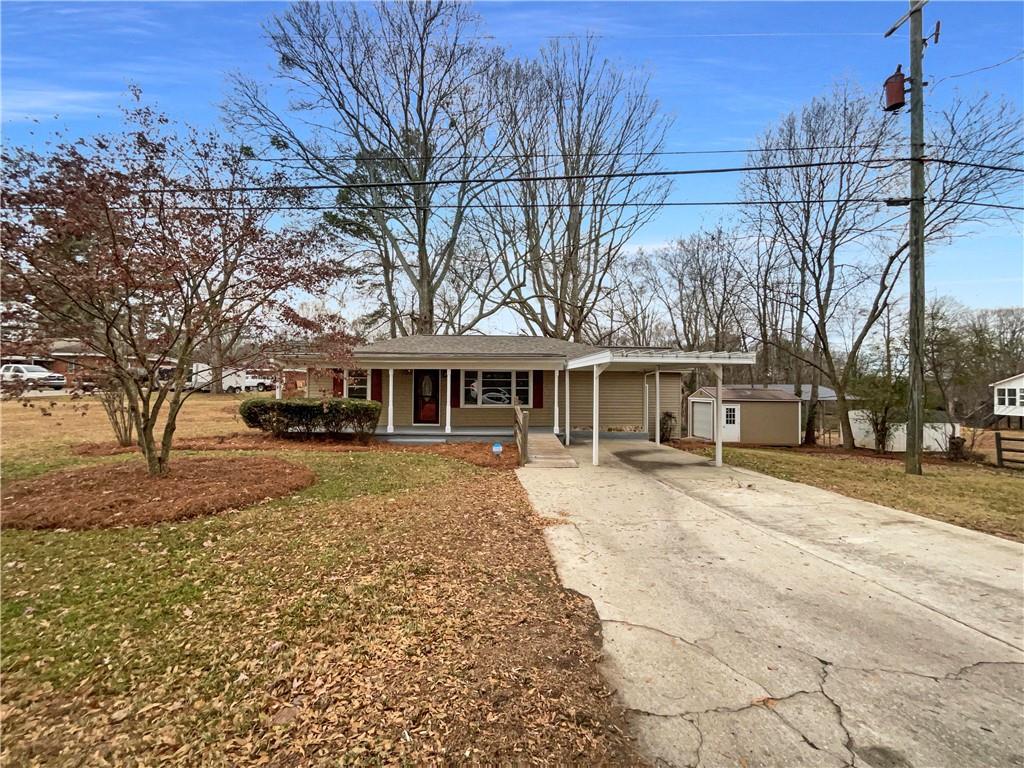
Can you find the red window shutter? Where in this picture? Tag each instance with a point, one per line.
(538, 389)
(377, 385)
(456, 393)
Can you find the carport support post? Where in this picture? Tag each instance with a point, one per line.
(448, 403)
(554, 421)
(391, 399)
(567, 409)
(596, 425)
(657, 406)
(719, 418)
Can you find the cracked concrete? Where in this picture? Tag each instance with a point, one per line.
(752, 621)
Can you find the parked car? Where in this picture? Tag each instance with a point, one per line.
(232, 380)
(30, 377)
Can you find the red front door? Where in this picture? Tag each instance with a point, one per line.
(425, 387)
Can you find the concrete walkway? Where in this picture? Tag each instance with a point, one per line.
(750, 621)
(547, 451)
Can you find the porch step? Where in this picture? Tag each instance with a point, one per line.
(546, 450)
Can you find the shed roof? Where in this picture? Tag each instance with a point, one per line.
(751, 394)
(824, 393)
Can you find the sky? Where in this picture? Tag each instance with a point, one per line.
(723, 71)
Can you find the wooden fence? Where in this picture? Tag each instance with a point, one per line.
(1014, 446)
(521, 430)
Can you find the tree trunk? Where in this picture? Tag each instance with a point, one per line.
(810, 434)
(217, 366)
(843, 406)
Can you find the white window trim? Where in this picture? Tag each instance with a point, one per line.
(1000, 395)
(479, 373)
(345, 375)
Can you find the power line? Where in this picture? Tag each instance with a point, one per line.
(515, 206)
(546, 177)
(969, 164)
(573, 155)
(1017, 56)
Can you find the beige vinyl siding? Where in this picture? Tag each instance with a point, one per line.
(319, 383)
(622, 402)
(769, 423)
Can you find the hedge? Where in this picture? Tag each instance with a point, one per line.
(309, 415)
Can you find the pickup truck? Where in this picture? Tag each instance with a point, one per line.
(30, 377)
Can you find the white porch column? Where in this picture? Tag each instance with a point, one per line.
(719, 416)
(554, 421)
(568, 410)
(279, 387)
(596, 425)
(391, 399)
(448, 403)
(657, 406)
(647, 406)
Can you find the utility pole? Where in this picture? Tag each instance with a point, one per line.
(915, 406)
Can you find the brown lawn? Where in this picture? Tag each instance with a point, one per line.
(403, 609)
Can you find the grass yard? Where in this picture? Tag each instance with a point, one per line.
(402, 609)
(969, 495)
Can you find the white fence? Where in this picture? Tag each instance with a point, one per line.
(936, 434)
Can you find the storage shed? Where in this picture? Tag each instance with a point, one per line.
(752, 415)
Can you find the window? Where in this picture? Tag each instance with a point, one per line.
(1000, 396)
(358, 385)
(1011, 397)
(730, 415)
(496, 389)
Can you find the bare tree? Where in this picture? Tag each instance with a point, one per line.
(400, 94)
(825, 214)
(577, 126)
(113, 242)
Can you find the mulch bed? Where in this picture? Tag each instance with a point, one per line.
(476, 453)
(125, 494)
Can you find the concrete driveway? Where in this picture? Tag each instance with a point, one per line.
(748, 621)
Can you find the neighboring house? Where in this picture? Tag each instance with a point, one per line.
(1008, 399)
(754, 415)
(440, 386)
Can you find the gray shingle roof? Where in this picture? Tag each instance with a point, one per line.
(752, 394)
(455, 346)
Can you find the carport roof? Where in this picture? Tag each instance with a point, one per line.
(642, 357)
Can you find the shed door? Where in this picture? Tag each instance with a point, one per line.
(700, 421)
(731, 425)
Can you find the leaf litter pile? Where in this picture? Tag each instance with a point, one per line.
(124, 494)
(413, 617)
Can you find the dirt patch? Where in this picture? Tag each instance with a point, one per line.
(125, 494)
(476, 453)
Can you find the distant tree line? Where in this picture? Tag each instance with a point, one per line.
(403, 174)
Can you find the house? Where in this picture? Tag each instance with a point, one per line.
(753, 415)
(448, 387)
(1008, 399)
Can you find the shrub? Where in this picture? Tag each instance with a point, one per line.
(308, 416)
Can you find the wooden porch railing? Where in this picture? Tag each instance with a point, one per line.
(521, 431)
(1016, 450)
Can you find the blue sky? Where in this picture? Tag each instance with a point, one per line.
(724, 70)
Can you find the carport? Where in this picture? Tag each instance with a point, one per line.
(656, 362)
